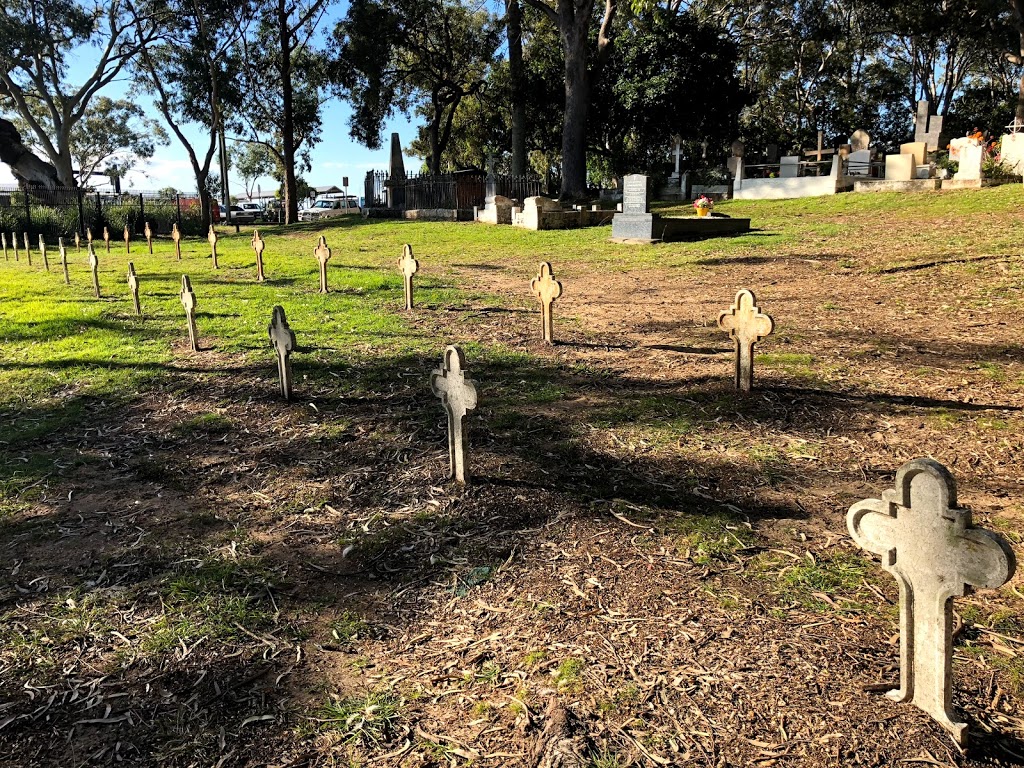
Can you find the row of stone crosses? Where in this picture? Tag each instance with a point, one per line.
(924, 539)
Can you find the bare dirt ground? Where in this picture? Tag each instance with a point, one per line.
(648, 569)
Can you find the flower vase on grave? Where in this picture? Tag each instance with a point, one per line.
(703, 211)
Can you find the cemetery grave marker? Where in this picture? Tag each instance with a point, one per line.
(94, 266)
(64, 260)
(176, 237)
(282, 338)
(127, 240)
(258, 244)
(927, 127)
(78, 243)
(28, 248)
(88, 235)
(42, 250)
(106, 238)
(14, 241)
(212, 237)
(458, 396)
(860, 140)
(930, 546)
(546, 289)
(746, 325)
(3, 236)
(149, 238)
(323, 255)
(188, 301)
(409, 266)
(133, 285)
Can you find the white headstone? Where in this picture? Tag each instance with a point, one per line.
(789, 167)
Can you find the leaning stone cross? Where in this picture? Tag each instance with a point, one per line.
(547, 289)
(63, 260)
(283, 340)
(149, 237)
(935, 553)
(746, 325)
(409, 267)
(258, 244)
(133, 286)
(188, 301)
(94, 267)
(323, 255)
(458, 396)
(42, 251)
(176, 237)
(106, 238)
(212, 237)
(127, 240)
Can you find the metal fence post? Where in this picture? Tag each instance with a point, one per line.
(28, 209)
(142, 215)
(177, 205)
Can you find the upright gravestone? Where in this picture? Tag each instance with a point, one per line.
(127, 240)
(149, 238)
(258, 245)
(63, 260)
(282, 338)
(927, 127)
(3, 236)
(94, 267)
(78, 242)
(409, 266)
(42, 252)
(930, 546)
(133, 286)
(106, 238)
(458, 396)
(636, 222)
(176, 237)
(323, 255)
(746, 325)
(28, 248)
(188, 301)
(211, 237)
(546, 289)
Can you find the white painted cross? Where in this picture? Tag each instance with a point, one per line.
(323, 255)
(934, 552)
(409, 266)
(188, 301)
(282, 338)
(546, 289)
(746, 325)
(678, 153)
(458, 396)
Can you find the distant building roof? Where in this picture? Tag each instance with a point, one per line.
(331, 190)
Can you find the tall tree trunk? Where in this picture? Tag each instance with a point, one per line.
(1017, 57)
(291, 202)
(573, 26)
(514, 32)
(205, 199)
(433, 137)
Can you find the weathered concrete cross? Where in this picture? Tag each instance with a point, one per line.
(323, 255)
(133, 286)
(258, 245)
(88, 235)
(409, 267)
(458, 396)
(3, 236)
(212, 237)
(94, 267)
(14, 242)
(282, 338)
(127, 240)
(935, 553)
(106, 238)
(547, 289)
(78, 242)
(176, 237)
(64, 260)
(28, 248)
(149, 238)
(42, 250)
(746, 325)
(188, 301)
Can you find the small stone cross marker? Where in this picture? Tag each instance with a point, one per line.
(127, 240)
(176, 237)
(88, 235)
(547, 289)
(133, 286)
(106, 238)
(188, 301)
(42, 250)
(94, 266)
(78, 242)
(3, 236)
(258, 244)
(212, 237)
(63, 260)
(746, 325)
(28, 248)
(935, 553)
(458, 396)
(14, 242)
(323, 255)
(409, 266)
(149, 238)
(282, 338)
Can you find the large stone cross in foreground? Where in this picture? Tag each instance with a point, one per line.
(458, 396)
(746, 325)
(546, 289)
(133, 286)
(188, 301)
(282, 338)
(935, 553)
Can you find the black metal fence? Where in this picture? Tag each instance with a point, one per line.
(460, 190)
(62, 211)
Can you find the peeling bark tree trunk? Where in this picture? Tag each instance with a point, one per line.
(26, 167)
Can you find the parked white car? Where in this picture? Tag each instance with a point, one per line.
(326, 208)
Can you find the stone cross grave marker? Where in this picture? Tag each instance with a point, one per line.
(127, 240)
(28, 248)
(3, 236)
(42, 251)
(88, 235)
(94, 267)
(746, 325)
(546, 289)
(458, 396)
(934, 552)
(258, 244)
(106, 238)
(63, 260)
(409, 266)
(78, 242)
(323, 255)
(188, 301)
(176, 237)
(133, 286)
(212, 237)
(282, 338)
(14, 241)
(149, 238)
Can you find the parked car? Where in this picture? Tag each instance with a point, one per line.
(326, 208)
(257, 210)
(239, 215)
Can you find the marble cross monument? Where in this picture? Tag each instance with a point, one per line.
(133, 286)
(188, 301)
(258, 244)
(282, 338)
(746, 325)
(930, 546)
(323, 255)
(458, 396)
(546, 289)
(409, 266)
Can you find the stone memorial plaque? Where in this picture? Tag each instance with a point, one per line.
(149, 238)
(282, 338)
(746, 325)
(929, 545)
(458, 396)
(63, 260)
(258, 245)
(409, 266)
(28, 248)
(133, 286)
(323, 255)
(106, 238)
(546, 289)
(42, 252)
(211, 236)
(176, 237)
(94, 267)
(188, 301)
(127, 240)
(636, 193)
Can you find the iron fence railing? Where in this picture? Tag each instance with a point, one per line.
(461, 190)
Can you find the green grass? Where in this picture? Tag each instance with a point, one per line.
(368, 720)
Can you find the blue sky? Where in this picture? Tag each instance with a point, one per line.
(336, 156)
